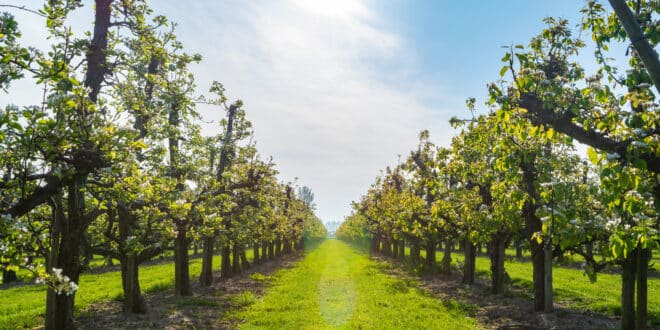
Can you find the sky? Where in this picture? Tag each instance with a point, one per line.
(339, 89)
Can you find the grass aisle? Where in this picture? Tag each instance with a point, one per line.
(336, 286)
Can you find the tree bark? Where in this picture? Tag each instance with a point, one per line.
(497, 256)
(225, 267)
(641, 310)
(415, 256)
(519, 249)
(402, 249)
(236, 260)
(271, 250)
(181, 270)
(547, 279)
(628, 277)
(255, 251)
(133, 299)
(470, 261)
(65, 255)
(206, 276)
(8, 276)
(646, 52)
(395, 249)
(245, 264)
(446, 258)
(375, 244)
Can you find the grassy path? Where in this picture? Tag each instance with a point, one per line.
(336, 286)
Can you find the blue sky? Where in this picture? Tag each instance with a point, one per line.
(337, 89)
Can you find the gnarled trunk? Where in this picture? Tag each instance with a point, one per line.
(255, 252)
(133, 299)
(415, 256)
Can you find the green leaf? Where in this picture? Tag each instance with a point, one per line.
(503, 71)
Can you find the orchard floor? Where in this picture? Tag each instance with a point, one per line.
(337, 286)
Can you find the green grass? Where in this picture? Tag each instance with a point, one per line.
(336, 286)
(25, 306)
(572, 287)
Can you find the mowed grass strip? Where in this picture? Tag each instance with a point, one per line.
(572, 287)
(25, 306)
(336, 286)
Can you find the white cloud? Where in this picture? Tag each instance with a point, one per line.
(326, 83)
(317, 79)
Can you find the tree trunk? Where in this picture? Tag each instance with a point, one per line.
(519, 249)
(470, 261)
(236, 260)
(287, 246)
(271, 250)
(430, 254)
(538, 265)
(264, 251)
(547, 279)
(402, 250)
(395, 249)
(255, 252)
(387, 248)
(8, 276)
(133, 299)
(278, 247)
(245, 264)
(415, 256)
(375, 244)
(641, 310)
(206, 276)
(181, 263)
(446, 258)
(65, 254)
(225, 268)
(497, 256)
(628, 277)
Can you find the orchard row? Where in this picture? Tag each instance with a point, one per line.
(512, 175)
(111, 160)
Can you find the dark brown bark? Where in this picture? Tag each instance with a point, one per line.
(402, 250)
(470, 261)
(386, 248)
(8, 276)
(563, 123)
(415, 255)
(245, 264)
(97, 66)
(65, 254)
(206, 276)
(641, 309)
(181, 270)
(519, 249)
(287, 246)
(446, 258)
(628, 277)
(255, 251)
(271, 250)
(264, 251)
(236, 260)
(395, 249)
(133, 299)
(533, 225)
(497, 255)
(375, 244)
(225, 267)
(430, 254)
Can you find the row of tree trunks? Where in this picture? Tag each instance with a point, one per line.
(634, 275)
